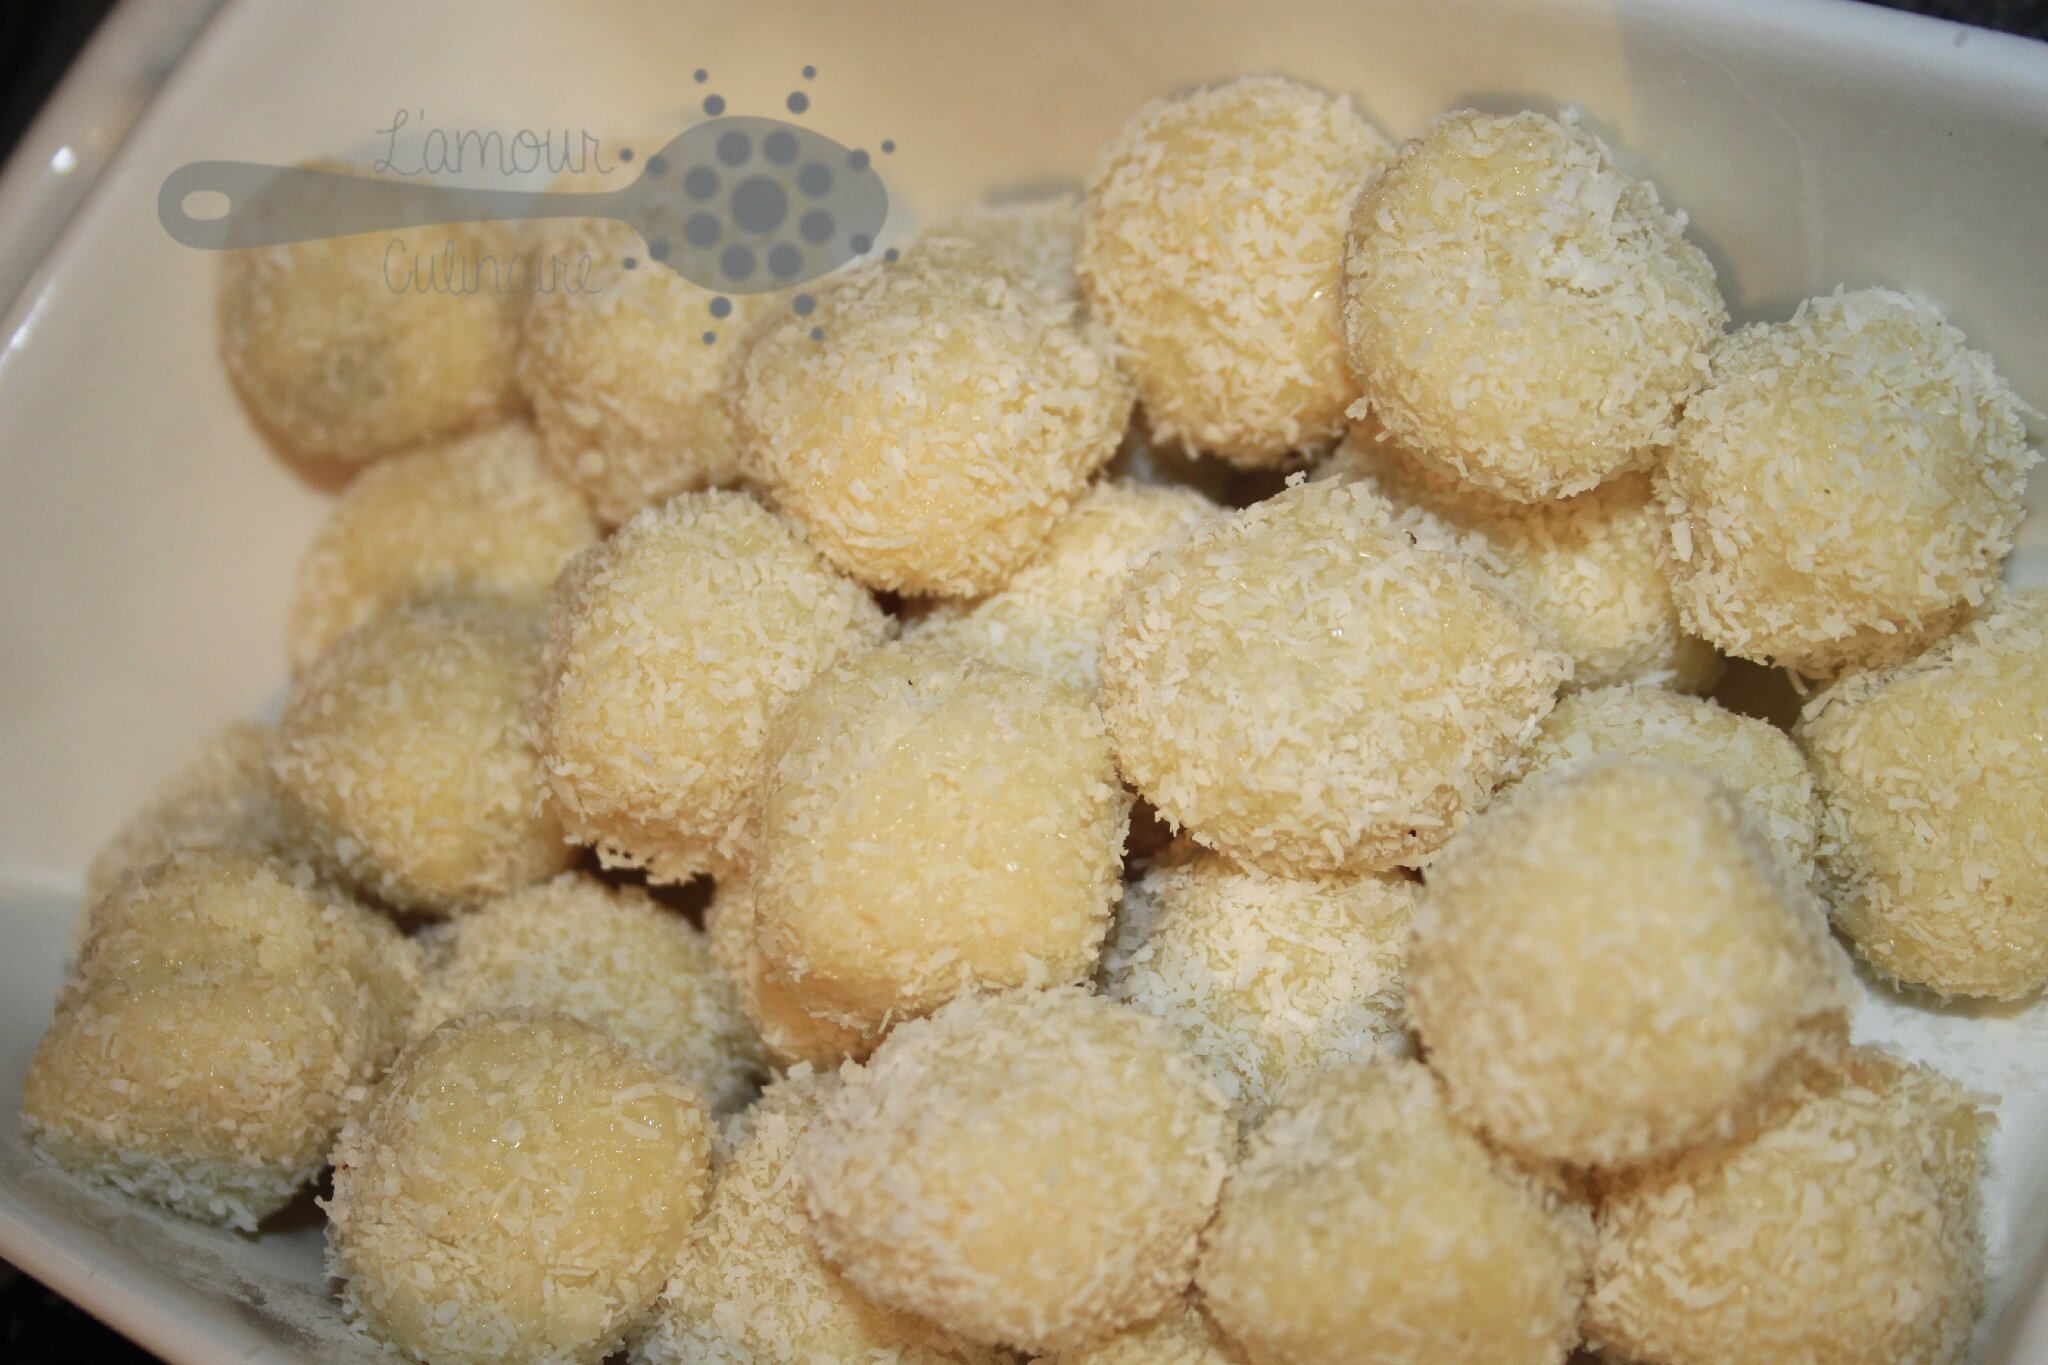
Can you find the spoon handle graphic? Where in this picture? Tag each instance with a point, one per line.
(275, 205)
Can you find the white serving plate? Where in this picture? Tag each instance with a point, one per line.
(147, 538)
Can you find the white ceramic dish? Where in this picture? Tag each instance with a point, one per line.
(147, 538)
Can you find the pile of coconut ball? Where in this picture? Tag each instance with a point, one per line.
(1148, 798)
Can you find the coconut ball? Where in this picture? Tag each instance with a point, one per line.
(1520, 312)
(1845, 1231)
(224, 1017)
(480, 513)
(1845, 487)
(790, 1032)
(1212, 244)
(1933, 777)
(516, 1191)
(1588, 569)
(1613, 964)
(1028, 1169)
(1755, 759)
(1265, 978)
(669, 648)
(1364, 1223)
(931, 421)
(1048, 618)
(1185, 1336)
(1311, 686)
(406, 752)
(1035, 236)
(611, 957)
(222, 797)
(752, 1286)
(344, 349)
(628, 396)
(931, 824)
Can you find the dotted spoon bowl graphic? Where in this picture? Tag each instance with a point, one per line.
(738, 205)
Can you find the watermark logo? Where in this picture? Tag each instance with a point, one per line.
(739, 204)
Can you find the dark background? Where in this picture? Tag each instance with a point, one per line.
(37, 42)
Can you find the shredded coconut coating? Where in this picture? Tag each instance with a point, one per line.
(1588, 569)
(752, 1287)
(630, 401)
(1036, 236)
(222, 798)
(1613, 964)
(340, 356)
(950, 416)
(1363, 1223)
(406, 753)
(1933, 777)
(670, 647)
(1845, 487)
(1265, 978)
(225, 1015)
(1520, 312)
(1845, 1232)
(791, 1033)
(516, 1192)
(931, 824)
(1212, 244)
(1185, 1336)
(1048, 618)
(1754, 759)
(479, 514)
(611, 957)
(1029, 1169)
(1311, 685)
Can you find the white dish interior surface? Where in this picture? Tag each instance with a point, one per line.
(148, 538)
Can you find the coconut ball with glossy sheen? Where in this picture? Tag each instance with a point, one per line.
(1847, 1230)
(948, 418)
(791, 1032)
(516, 1192)
(611, 957)
(1845, 487)
(1521, 313)
(931, 824)
(1613, 964)
(670, 647)
(344, 349)
(1755, 759)
(1266, 978)
(1365, 1226)
(1029, 1169)
(1212, 244)
(1048, 618)
(1312, 686)
(1933, 777)
(753, 1287)
(629, 398)
(476, 514)
(407, 751)
(1588, 569)
(223, 1019)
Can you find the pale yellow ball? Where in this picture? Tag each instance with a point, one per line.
(1520, 312)
(1364, 1226)
(670, 647)
(1933, 777)
(516, 1193)
(1312, 686)
(1613, 964)
(1846, 486)
(224, 1018)
(931, 825)
(1184, 1336)
(790, 1032)
(1212, 244)
(1029, 1169)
